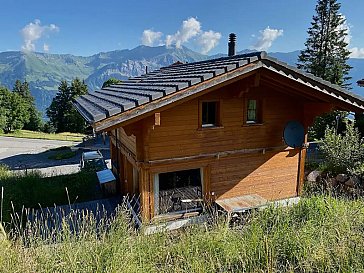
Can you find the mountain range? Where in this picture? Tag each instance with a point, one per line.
(44, 72)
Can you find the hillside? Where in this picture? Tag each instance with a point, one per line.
(44, 72)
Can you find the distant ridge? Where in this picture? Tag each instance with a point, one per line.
(44, 72)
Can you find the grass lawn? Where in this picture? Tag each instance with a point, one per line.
(40, 135)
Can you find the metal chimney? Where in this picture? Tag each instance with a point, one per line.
(231, 44)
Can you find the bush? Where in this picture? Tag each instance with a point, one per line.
(343, 153)
(335, 119)
(49, 128)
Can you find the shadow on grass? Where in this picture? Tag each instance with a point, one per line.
(35, 191)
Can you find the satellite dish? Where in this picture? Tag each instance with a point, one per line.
(294, 134)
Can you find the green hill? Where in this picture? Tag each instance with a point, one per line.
(44, 72)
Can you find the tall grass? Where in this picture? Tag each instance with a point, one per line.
(320, 234)
(32, 190)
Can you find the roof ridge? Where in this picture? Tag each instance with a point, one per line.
(259, 54)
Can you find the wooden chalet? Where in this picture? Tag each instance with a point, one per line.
(210, 131)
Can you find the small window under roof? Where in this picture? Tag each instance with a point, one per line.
(210, 114)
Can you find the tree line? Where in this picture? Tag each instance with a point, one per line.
(18, 110)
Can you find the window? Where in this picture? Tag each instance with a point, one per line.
(177, 191)
(210, 114)
(252, 114)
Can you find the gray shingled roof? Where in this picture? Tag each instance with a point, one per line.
(143, 90)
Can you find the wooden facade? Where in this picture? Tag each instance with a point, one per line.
(236, 158)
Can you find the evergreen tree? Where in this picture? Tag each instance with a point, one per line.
(23, 90)
(32, 119)
(326, 51)
(111, 81)
(4, 111)
(63, 116)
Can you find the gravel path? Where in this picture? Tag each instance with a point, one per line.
(21, 153)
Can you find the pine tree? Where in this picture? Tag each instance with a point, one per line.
(32, 119)
(4, 111)
(111, 81)
(326, 51)
(23, 90)
(62, 114)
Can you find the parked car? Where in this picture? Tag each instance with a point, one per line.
(92, 161)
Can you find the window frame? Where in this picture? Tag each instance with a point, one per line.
(258, 112)
(217, 123)
(156, 204)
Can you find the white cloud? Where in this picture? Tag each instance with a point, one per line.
(33, 32)
(267, 37)
(208, 40)
(345, 26)
(45, 47)
(151, 38)
(357, 52)
(190, 28)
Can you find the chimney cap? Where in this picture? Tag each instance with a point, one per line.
(232, 37)
(231, 44)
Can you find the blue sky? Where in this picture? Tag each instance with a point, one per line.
(88, 27)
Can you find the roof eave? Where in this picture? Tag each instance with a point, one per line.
(181, 96)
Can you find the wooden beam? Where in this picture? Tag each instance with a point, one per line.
(287, 90)
(157, 119)
(301, 169)
(207, 185)
(217, 155)
(257, 79)
(125, 151)
(151, 194)
(144, 186)
(310, 91)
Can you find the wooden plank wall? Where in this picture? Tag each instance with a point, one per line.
(125, 167)
(128, 141)
(179, 134)
(272, 175)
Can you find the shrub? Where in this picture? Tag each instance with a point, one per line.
(343, 153)
(335, 119)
